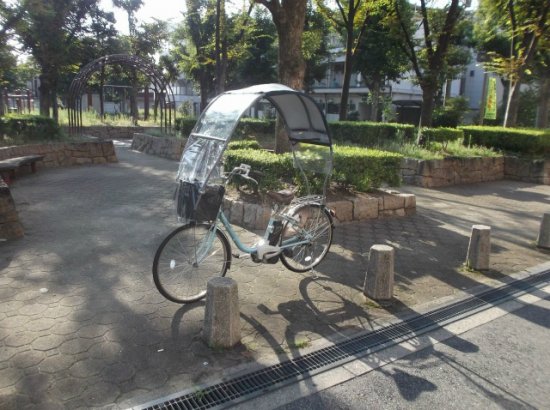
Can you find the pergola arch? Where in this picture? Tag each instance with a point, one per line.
(162, 89)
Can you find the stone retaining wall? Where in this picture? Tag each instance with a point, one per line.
(170, 148)
(451, 171)
(520, 169)
(383, 203)
(455, 171)
(10, 227)
(109, 132)
(60, 154)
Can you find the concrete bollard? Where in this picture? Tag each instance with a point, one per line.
(479, 248)
(380, 274)
(222, 327)
(543, 240)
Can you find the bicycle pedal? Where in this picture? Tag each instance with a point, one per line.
(241, 255)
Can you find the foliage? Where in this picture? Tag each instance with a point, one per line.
(527, 111)
(184, 125)
(511, 33)
(244, 144)
(369, 134)
(365, 169)
(429, 57)
(29, 128)
(440, 135)
(354, 167)
(522, 141)
(452, 114)
(271, 170)
(251, 127)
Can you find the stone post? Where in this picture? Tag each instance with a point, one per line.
(543, 240)
(222, 326)
(479, 248)
(380, 274)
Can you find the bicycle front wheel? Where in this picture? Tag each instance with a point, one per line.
(311, 230)
(187, 259)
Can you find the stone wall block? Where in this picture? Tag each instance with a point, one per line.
(365, 208)
(249, 215)
(343, 209)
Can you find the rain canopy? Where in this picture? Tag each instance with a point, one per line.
(302, 118)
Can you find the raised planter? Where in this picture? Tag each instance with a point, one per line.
(170, 148)
(455, 171)
(451, 171)
(60, 154)
(521, 169)
(10, 227)
(383, 203)
(110, 132)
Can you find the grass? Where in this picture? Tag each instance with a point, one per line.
(438, 150)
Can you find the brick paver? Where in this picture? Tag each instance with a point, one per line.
(82, 325)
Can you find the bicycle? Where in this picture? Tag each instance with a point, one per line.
(299, 235)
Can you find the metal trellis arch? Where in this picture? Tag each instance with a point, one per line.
(162, 89)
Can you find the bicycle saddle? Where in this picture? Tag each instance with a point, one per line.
(283, 197)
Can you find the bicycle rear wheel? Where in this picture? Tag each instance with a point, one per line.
(313, 226)
(187, 259)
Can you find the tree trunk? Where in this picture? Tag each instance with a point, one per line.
(204, 91)
(289, 21)
(348, 67)
(101, 93)
(512, 105)
(428, 103)
(374, 88)
(45, 96)
(543, 105)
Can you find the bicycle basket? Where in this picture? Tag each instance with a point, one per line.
(192, 205)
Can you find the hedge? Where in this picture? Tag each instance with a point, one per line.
(29, 127)
(370, 134)
(442, 135)
(521, 141)
(184, 125)
(354, 167)
(248, 127)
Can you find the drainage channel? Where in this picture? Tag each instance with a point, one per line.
(244, 387)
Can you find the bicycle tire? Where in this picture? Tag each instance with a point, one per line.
(315, 220)
(177, 274)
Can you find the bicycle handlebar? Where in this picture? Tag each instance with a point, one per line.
(243, 171)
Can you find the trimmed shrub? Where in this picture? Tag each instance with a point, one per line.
(452, 114)
(365, 169)
(369, 134)
(521, 141)
(252, 127)
(442, 135)
(269, 169)
(354, 167)
(244, 144)
(29, 127)
(184, 125)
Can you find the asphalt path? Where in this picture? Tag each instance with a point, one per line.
(503, 363)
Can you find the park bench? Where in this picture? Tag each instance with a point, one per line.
(8, 166)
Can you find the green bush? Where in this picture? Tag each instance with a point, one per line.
(451, 114)
(29, 127)
(365, 169)
(369, 134)
(442, 135)
(253, 127)
(244, 144)
(271, 170)
(354, 167)
(521, 141)
(184, 125)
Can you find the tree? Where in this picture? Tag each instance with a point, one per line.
(379, 57)
(314, 47)
(50, 30)
(350, 20)
(429, 57)
(522, 25)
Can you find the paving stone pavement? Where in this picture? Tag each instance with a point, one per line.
(82, 325)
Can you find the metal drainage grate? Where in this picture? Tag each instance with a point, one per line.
(270, 378)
